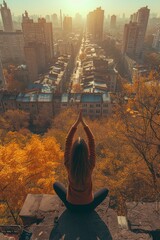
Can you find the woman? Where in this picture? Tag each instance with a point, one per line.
(79, 160)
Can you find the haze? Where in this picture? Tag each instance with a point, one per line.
(70, 7)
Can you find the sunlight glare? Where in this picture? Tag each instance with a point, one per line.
(80, 5)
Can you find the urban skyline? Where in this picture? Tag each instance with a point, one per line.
(70, 7)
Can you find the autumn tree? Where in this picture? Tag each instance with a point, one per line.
(26, 169)
(41, 122)
(76, 88)
(141, 120)
(15, 120)
(11, 81)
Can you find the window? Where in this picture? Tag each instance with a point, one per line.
(98, 105)
(91, 111)
(98, 111)
(105, 111)
(91, 105)
(84, 105)
(105, 105)
(64, 104)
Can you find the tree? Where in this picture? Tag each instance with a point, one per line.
(77, 88)
(15, 120)
(26, 169)
(42, 122)
(141, 120)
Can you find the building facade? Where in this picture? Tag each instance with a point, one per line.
(130, 39)
(156, 41)
(94, 105)
(12, 47)
(95, 21)
(113, 21)
(134, 34)
(67, 24)
(38, 39)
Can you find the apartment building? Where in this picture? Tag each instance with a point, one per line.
(94, 105)
(12, 47)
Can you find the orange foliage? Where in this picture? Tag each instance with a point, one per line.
(27, 169)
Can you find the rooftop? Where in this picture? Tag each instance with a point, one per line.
(55, 222)
(90, 97)
(45, 97)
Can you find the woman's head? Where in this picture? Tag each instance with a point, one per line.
(79, 161)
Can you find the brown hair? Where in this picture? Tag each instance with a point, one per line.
(79, 161)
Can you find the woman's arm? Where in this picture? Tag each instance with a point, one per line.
(91, 143)
(69, 139)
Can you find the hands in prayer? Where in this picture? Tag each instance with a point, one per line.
(80, 120)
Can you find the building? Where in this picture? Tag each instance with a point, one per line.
(94, 105)
(95, 22)
(113, 21)
(6, 17)
(130, 39)
(31, 61)
(12, 47)
(142, 21)
(67, 24)
(38, 39)
(54, 19)
(78, 21)
(156, 41)
(2, 79)
(134, 34)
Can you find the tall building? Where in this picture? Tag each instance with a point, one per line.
(37, 35)
(67, 24)
(35, 60)
(134, 34)
(12, 47)
(6, 17)
(95, 22)
(113, 21)
(142, 21)
(130, 39)
(61, 19)
(54, 18)
(47, 18)
(78, 21)
(156, 41)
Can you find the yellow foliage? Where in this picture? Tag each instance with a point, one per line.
(27, 169)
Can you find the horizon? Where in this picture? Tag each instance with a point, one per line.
(18, 7)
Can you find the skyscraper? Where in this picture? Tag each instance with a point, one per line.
(134, 34)
(38, 32)
(113, 21)
(67, 24)
(142, 21)
(38, 39)
(95, 22)
(54, 20)
(130, 39)
(156, 40)
(6, 17)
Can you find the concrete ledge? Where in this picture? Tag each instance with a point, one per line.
(103, 223)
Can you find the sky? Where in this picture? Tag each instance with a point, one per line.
(70, 7)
